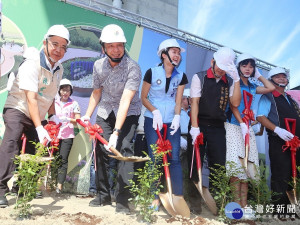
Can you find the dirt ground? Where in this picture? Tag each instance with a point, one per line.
(70, 209)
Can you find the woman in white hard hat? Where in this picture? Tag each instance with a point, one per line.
(31, 97)
(236, 129)
(161, 94)
(116, 93)
(273, 108)
(67, 110)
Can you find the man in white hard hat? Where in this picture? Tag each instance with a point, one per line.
(116, 83)
(273, 108)
(211, 92)
(31, 97)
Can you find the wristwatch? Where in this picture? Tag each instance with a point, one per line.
(117, 130)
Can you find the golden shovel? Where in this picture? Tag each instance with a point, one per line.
(117, 155)
(205, 194)
(175, 205)
(293, 144)
(248, 117)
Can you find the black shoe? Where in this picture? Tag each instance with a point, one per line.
(3, 202)
(120, 208)
(97, 202)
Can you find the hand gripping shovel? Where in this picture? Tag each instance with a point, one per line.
(248, 117)
(207, 197)
(293, 144)
(173, 204)
(94, 131)
(53, 130)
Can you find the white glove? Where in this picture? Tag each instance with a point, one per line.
(183, 143)
(42, 134)
(85, 119)
(112, 142)
(64, 119)
(244, 129)
(232, 71)
(55, 119)
(175, 124)
(194, 132)
(283, 134)
(157, 120)
(257, 74)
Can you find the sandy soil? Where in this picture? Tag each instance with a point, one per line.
(70, 209)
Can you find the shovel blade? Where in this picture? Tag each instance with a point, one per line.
(164, 198)
(181, 206)
(292, 196)
(208, 199)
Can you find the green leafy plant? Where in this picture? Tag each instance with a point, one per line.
(221, 188)
(259, 191)
(147, 186)
(55, 164)
(30, 169)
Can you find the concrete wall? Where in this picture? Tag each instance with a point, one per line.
(164, 11)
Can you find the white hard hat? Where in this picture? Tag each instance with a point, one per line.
(243, 57)
(112, 33)
(60, 31)
(169, 43)
(223, 57)
(276, 70)
(65, 82)
(186, 92)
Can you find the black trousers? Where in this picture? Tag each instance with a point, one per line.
(125, 169)
(16, 123)
(281, 169)
(64, 152)
(140, 146)
(214, 148)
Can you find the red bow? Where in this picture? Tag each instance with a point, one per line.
(248, 115)
(293, 144)
(199, 140)
(53, 130)
(164, 146)
(92, 130)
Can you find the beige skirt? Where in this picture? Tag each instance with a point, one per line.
(235, 146)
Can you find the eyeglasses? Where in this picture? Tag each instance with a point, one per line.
(65, 90)
(56, 46)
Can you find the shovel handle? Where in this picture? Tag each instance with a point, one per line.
(246, 101)
(23, 144)
(289, 121)
(293, 158)
(165, 159)
(198, 157)
(101, 139)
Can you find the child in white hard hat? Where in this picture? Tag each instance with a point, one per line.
(237, 129)
(67, 111)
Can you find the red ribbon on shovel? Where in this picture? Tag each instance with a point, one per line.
(248, 117)
(293, 144)
(165, 147)
(53, 130)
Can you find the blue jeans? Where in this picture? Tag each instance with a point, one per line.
(174, 161)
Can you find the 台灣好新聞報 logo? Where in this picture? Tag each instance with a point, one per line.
(233, 210)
